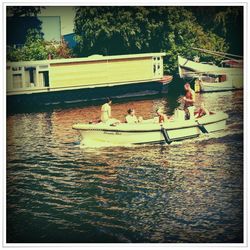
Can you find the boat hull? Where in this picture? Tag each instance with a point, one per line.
(189, 69)
(50, 99)
(214, 122)
(230, 84)
(148, 132)
(212, 87)
(125, 134)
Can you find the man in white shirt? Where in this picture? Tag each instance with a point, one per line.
(131, 117)
(106, 110)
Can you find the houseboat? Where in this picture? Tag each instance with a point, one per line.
(73, 80)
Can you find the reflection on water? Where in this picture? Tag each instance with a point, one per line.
(191, 191)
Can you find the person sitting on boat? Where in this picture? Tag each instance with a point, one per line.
(201, 111)
(161, 116)
(106, 110)
(189, 100)
(131, 117)
(106, 114)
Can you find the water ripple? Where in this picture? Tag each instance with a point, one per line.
(190, 191)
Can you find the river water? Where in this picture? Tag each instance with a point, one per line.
(190, 191)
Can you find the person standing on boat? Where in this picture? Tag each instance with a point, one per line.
(106, 110)
(189, 100)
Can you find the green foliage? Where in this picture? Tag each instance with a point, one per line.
(229, 25)
(33, 36)
(127, 30)
(224, 21)
(18, 11)
(35, 48)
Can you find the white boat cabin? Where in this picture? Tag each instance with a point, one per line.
(88, 72)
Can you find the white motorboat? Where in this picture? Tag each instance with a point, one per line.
(212, 77)
(150, 132)
(210, 83)
(213, 122)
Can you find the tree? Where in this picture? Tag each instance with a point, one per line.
(36, 48)
(18, 11)
(225, 21)
(230, 22)
(126, 30)
(21, 19)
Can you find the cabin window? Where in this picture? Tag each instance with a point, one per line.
(30, 74)
(16, 68)
(17, 80)
(44, 78)
(44, 75)
(154, 68)
(158, 58)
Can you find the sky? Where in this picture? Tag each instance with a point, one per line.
(66, 14)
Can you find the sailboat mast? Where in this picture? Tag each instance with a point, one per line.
(216, 53)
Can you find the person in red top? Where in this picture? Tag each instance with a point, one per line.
(189, 99)
(201, 111)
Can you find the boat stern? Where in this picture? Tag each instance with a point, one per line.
(213, 122)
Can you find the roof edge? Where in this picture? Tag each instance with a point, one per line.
(89, 58)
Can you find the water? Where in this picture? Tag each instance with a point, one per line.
(190, 191)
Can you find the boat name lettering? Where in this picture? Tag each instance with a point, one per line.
(112, 133)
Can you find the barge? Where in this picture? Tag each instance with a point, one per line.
(74, 80)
